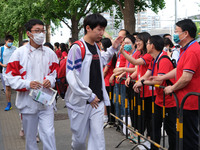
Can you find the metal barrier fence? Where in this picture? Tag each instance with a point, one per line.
(140, 111)
(181, 119)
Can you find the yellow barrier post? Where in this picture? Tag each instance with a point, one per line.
(163, 119)
(140, 135)
(181, 118)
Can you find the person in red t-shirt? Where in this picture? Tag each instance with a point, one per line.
(142, 65)
(121, 62)
(57, 50)
(129, 47)
(187, 76)
(155, 46)
(129, 68)
(64, 51)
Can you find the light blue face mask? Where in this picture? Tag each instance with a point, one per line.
(9, 44)
(176, 38)
(127, 47)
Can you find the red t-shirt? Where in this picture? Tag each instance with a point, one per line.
(165, 66)
(121, 62)
(135, 55)
(109, 74)
(58, 53)
(64, 54)
(141, 70)
(189, 61)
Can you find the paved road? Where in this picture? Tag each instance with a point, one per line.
(10, 126)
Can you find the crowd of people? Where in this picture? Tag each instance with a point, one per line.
(93, 71)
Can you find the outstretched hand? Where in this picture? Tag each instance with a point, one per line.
(117, 41)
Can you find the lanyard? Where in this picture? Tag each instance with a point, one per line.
(154, 63)
(119, 55)
(185, 50)
(131, 56)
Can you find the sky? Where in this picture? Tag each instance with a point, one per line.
(185, 8)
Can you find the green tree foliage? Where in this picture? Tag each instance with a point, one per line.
(15, 13)
(198, 30)
(72, 12)
(126, 10)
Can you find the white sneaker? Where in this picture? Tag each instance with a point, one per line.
(105, 118)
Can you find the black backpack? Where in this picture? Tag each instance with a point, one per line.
(173, 63)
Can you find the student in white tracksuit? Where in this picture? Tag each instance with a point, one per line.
(28, 65)
(86, 94)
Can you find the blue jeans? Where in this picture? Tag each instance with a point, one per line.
(123, 95)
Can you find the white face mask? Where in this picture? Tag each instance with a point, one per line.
(38, 38)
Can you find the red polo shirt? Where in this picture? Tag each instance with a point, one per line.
(189, 61)
(141, 71)
(165, 66)
(136, 55)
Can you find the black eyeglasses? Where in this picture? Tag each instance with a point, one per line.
(39, 31)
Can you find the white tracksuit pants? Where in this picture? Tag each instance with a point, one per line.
(90, 122)
(44, 119)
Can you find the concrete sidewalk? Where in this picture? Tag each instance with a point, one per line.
(10, 126)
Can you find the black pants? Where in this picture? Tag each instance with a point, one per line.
(170, 126)
(147, 115)
(190, 130)
(130, 95)
(110, 109)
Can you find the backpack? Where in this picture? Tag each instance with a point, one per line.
(2, 50)
(61, 81)
(173, 63)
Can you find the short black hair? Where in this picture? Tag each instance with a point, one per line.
(106, 42)
(132, 38)
(188, 25)
(157, 41)
(48, 45)
(56, 44)
(167, 41)
(93, 21)
(135, 33)
(29, 25)
(127, 32)
(9, 37)
(144, 36)
(167, 34)
(23, 42)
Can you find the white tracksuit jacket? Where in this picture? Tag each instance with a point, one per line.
(78, 73)
(29, 64)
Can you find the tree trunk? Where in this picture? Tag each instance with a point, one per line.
(74, 26)
(20, 38)
(129, 15)
(48, 33)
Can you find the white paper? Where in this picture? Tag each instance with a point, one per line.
(45, 96)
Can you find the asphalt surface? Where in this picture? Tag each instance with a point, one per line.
(10, 126)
